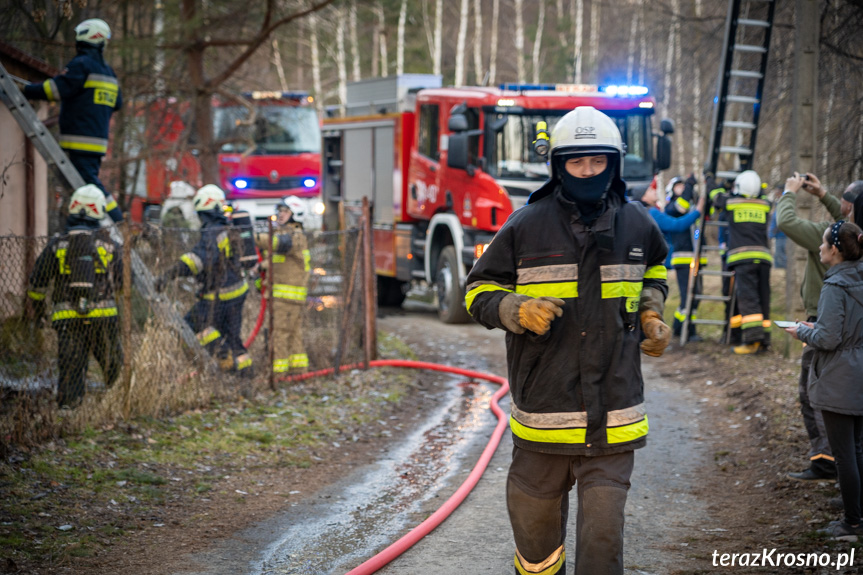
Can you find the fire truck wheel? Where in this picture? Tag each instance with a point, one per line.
(450, 294)
(391, 292)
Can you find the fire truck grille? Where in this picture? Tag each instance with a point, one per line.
(267, 185)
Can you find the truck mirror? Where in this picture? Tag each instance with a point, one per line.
(457, 123)
(152, 214)
(663, 152)
(666, 126)
(457, 151)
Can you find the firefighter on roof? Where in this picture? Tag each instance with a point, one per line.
(290, 274)
(214, 262)
(576, 278)
(86, 271)
(88, 94)
(748, 255)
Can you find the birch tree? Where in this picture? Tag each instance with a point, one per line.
(280, 69)
(316, 62)
(537, 42)
(633, 34)
(519, 39)
(478, 71)
(492, 64)
(341, 59)
(355, 50)
(697, 153)
(400, 48)
(561, 36)
(577, 55)
(595, 20)
(438, 36)
(382, 38)
(460, 44)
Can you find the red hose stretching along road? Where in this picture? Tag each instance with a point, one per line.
(412, 537)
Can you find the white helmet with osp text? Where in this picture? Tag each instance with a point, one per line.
(297, 206)
(747, 184)
(93, 31)
(88, 201)
(585, 131)
(209, 197)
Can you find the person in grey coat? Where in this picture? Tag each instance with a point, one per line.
(834, 378)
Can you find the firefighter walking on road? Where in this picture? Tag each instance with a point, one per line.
(86, 270)
(89, 94)
(290, 276)
(749, 257)
(217, 316)
(577, 280)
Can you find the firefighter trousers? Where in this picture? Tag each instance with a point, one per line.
(76, 340)
(217, 324)
(682, 274)
(820, 455)
(752, 305)
(537, 497)
(289, 352)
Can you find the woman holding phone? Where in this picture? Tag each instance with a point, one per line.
(834, 382)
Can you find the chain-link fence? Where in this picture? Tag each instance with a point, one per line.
(169, 338)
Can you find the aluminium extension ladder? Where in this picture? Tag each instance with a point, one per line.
(48, 147)
(736, 112)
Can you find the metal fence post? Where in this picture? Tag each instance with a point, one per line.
(370, 325)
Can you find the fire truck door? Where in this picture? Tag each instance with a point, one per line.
(423, 188)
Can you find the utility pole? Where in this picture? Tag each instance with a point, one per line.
(803, 122)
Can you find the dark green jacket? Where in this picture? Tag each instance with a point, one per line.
(807, 235)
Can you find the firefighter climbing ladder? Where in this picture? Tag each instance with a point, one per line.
(738, 105)
(48, 147)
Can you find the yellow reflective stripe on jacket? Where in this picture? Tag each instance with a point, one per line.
(285, 291)
(209, 335)
(93, 313)
(83, 143)
(281, 365)
(560, 290)
(735, 256)
(656, 273)
(193, 262)
(244, 361)
(112, 203)
(51, 91)
(551, 564)
(35, 295)
(628, 432)
(682, 204)
(481, 288)
(307, 260)
(225, 244)
(299, 360)
(621, 289)
(232, 292)
(558, 435)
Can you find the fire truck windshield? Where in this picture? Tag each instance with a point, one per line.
(275, 130)
(513, 156)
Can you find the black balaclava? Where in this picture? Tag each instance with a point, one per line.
(214, 217)
(587, 193)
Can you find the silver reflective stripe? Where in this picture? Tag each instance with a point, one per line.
(101, 78)
(747, 249)
(565, 420)
(622, 272)
(474, 285)
(542, 274)
(68, 306)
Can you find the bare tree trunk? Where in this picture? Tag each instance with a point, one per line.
(519, 39)
(561, 37)
(478, 71)
(428, 29)
(633, 34)
(316, 62)
(828, 114)
(537, 42)
(376, 40)
(277, 62)
(642, 60)
(595, 20)
(341, 58)
(462, 38)
(698, 155)
(382, 35)
(669, 61)
(678, 84)
(438, 33)
(577, 54)
(355, 50)
(301, 51)
(400, 49)
(201, 103)
(159, 60)
(492, 64)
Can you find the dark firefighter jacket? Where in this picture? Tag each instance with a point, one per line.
(88, 94)
(82, 264)
(577, 389)
(214, 261)
(747, 229)
(680, 242)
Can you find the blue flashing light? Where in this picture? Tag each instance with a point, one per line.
(241, 184)
(524, 87)
(309, 183)
(624, 91)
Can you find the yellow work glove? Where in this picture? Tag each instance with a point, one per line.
(657, 331)
(537, 314)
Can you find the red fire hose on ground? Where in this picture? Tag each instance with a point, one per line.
(411, 538)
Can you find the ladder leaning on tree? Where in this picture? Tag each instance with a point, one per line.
(737, 108)
(48, 147)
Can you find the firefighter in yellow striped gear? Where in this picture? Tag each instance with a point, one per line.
(290, 276)
(749, 256)
(86, 270)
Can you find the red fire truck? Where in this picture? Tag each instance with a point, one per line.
(445, 167)
(270, 146)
